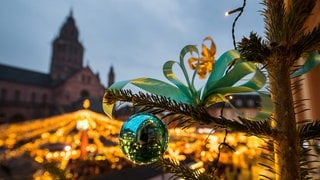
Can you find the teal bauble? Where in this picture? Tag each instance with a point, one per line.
(143, 138)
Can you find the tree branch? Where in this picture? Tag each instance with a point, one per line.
(188, 114)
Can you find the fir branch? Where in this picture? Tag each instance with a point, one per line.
(187, 114)
(309, 130)
(149, 102)
(294, 20)
(273, 13)
(181, 171)
(285, 28)
(285, 21)
(258, 128)
(308, 42)
(253, 48)
(56, 172)
(307, 171)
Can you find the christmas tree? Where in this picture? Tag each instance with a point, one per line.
(291, 34)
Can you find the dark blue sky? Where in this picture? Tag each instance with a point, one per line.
(135, 36)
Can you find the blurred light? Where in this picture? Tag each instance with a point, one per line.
(49, 155)
(60, 131)
(45, 135)
(39, 159)
(206, 130)
(83, 124)
(62, 153)
(55, 154)
(67, 148)
(86, 104)
(196, 165)
(233, 11)
(305, 144)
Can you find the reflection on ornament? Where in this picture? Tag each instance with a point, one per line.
(143, 138)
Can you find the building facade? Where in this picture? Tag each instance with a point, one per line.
(26, 94)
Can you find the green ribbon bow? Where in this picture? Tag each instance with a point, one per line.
(218, 86)
(312, 61)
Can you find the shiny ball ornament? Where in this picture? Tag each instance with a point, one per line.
(143, 138)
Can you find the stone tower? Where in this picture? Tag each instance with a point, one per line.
(67, 51)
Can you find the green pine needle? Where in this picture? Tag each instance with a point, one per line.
(181, 171)
(188, 115)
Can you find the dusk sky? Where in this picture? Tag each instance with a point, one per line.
(135, 36)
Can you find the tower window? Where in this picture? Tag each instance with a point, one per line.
(84, 94)
(83, 78)
(44, 98)
(3, 94)
(17, 95)
(33, 97)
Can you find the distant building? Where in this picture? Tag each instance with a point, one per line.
(247, 104)
(26, 94)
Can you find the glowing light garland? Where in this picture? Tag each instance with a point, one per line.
(198, 144)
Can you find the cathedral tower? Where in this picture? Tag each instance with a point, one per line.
(67, 51)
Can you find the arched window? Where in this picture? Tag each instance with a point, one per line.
(44, 99)
(3, 94)
(17, 118)
(33, 97)
(84, 94)
(17, 95)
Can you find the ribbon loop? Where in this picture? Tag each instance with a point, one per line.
(218, 84)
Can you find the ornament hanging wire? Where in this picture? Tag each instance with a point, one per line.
(224, 143)
(240, 10)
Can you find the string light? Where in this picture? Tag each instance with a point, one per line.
(240, 10)
(182, 145)
(233, 11)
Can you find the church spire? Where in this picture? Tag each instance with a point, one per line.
(111, 76)
(69, 29)
(67, 51)
(71, 12)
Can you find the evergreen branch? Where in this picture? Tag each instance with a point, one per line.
(267, 159)
(274, 13)
(253, 49)
(309, 42)
(285, 22)
(309, 130)
(285, 28)
(306, 170)
(187, 114)
(258, 127)
(294, 20)
(56, 172)
(181, 171)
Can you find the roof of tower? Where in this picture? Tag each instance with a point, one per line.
(69, 29)
(71, 12)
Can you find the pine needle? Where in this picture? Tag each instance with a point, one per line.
(181, 171)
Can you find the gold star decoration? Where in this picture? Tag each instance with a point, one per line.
(205, 62)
